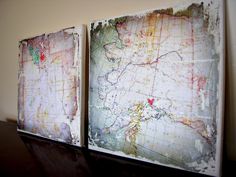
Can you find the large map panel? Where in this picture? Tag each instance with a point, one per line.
(154, 86)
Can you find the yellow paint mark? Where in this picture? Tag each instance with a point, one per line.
(150, 33)
(57, 59)
(186, 121)
(134, 128)
(56, 128)
(204, 134)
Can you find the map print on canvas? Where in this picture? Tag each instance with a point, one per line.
(154, 86)
(49, 85)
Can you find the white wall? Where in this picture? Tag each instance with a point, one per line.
(21, 19)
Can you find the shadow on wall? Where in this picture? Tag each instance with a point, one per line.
(11, 120)
(230, 78)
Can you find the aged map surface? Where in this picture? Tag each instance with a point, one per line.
(49, 85)
(154, 86)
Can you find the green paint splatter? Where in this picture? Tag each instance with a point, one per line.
(31, 50)
(36, 57)
(101, 35)
(34, 54)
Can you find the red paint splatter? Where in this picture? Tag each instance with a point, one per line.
(150, 101)
(42, 57)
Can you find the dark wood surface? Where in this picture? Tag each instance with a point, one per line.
(26, 155)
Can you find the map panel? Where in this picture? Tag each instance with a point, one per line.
(49, 85)
(154, 86)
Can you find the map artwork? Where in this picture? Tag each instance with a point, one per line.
(49, 92)
(155, 90)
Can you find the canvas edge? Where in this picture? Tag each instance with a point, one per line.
(140, 159)
(46, 138)
(18, 82)
(220, 126)
(82, 44)
(175, 5)
(49, 32)
(81, 31)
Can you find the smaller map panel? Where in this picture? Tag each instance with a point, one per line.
(49, 95)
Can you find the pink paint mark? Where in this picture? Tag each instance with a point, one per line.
(121, 25)
(197, 125)
(42, 57)
(127, 40)
(201, 83)
(192, 80)
(187, 42)
(150, 101)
